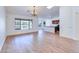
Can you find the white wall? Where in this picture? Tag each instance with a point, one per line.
(77, 25)
(76, 21)
(11, 27)
(2, 26)
(67, 22)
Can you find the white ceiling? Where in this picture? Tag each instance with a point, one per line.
(42, 11)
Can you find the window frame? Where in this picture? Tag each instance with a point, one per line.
(29, 20)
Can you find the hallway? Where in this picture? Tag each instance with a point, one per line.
(39, 42)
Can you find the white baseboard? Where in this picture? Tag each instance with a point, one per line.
(66, 36)
(2, 42)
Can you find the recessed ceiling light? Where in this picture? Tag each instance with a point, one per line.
(49, 7)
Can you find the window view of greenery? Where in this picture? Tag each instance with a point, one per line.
(21, 24)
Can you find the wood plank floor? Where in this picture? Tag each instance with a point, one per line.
(40, 42)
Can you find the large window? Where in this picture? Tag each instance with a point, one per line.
(21, 24)
(48, 23)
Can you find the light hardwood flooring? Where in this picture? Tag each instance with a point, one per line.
(40, 42)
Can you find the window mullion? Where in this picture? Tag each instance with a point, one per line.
(20, 25)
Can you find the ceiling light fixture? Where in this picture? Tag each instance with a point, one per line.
(34, 11)
(49, 7)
